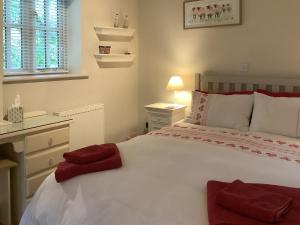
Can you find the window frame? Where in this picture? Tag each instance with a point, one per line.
(29, 30)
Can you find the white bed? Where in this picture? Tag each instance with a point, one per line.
(163, 181)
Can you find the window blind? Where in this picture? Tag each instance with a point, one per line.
(34, 36)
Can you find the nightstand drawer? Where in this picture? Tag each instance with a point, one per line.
(45, 140)
(157, 126)
(45, 160)
(161, 120)
(34, 182)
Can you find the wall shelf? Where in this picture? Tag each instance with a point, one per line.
(112, 33)
(114, 58)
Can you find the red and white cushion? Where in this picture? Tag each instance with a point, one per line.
(199, 100)
(221, 110)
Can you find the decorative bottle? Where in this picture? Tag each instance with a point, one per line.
(116, 22)
(126, 22)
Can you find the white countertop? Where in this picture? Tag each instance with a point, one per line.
(31, 123)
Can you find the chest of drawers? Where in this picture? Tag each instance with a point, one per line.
(37, 151)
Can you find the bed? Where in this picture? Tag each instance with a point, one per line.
(163, 180)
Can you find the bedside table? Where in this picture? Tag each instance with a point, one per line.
(163, 114)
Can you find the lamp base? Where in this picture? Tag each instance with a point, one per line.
(175, 97)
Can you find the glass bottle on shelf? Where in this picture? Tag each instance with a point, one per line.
(117, 20)
(126, 22)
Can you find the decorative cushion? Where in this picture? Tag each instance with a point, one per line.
(199, 100)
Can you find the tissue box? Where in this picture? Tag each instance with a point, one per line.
(15, 114)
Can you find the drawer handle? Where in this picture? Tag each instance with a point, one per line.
(51, 162)
(50, 142)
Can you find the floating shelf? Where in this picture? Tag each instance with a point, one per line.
(114, 58)
(111, 33)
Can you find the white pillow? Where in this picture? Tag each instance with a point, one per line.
(229, 111)
(277, 115)
(217, 110)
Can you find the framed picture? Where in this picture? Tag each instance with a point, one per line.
(210, 13)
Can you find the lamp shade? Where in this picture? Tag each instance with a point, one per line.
(175, 84)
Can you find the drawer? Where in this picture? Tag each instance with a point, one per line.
(161, 120)
(34, 182)
(160, 115)
(45, 159)
(156, 126)
(47, 139)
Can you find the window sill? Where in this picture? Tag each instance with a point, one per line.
(42, 78)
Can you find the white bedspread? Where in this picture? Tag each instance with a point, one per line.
(163, 182)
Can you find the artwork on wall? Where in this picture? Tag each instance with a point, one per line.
(209, 13)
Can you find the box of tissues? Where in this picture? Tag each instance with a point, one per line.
(15, 113)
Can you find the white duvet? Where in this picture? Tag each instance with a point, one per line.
(163, 182)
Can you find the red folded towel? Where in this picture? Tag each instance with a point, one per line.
(254, 202)
(219, 215)
(66, 170)
(91, 153)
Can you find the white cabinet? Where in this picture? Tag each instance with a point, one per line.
(162, 114)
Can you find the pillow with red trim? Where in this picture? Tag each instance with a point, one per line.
(277, 115)
(221, 110)
(279, 94)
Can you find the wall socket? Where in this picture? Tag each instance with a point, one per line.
(245, 68)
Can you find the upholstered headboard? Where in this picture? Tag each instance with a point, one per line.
(225, 83)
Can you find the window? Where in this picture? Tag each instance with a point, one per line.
(34, 36)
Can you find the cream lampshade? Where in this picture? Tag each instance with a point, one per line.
(175, 84)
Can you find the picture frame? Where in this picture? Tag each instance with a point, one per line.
(211, 13)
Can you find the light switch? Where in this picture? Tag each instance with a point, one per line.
(245, 68)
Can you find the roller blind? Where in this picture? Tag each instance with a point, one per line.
(34, 36)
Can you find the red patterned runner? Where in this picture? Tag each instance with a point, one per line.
(261, 145)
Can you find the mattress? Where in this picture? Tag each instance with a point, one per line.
(163, 180)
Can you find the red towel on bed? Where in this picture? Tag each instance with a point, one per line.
(219, 215)
(66, 170)
(252, 201)
(91, 153)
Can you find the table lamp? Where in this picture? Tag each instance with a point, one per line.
(175, 84)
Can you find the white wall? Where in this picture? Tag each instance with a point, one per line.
(268, 39)
(117, 88)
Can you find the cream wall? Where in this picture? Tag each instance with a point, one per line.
(268, 40)
(117, 88)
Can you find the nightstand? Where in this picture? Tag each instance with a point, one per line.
(163, 114)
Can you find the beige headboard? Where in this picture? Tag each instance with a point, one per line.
(225, 83)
